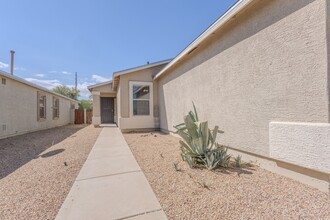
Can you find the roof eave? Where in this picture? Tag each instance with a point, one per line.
(23, 81)
(134, 69)
(116, 75)
(99, 84)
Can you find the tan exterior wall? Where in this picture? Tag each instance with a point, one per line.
(145, 75)
(127, 122)
(105, 88)
(267, 64)
(96, 119)
(328, 48)
(18, 109)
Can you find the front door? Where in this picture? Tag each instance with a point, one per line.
(107, 110)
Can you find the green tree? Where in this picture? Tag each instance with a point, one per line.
(68, 92)
(86, 104)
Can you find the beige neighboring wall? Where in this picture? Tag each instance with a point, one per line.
(19, 109)
(267, 64)
(137, 122)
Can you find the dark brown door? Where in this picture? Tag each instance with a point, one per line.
(107, 110)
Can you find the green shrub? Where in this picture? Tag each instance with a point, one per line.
(199, 148)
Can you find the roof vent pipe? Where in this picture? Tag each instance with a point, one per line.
(12, 53)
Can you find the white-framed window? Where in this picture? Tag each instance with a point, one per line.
(41, 106)
(141, 98)
(56, 107)
(3, 81)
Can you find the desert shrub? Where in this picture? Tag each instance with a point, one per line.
(238, 161)
(199, 147)
(176, 167)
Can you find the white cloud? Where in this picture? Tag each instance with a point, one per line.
(100, 79)
(49, 84)
(62, 72)
(19, 68)
(3, 65)
(40, 75)
(82, 87)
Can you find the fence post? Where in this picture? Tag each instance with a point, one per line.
(85, 116)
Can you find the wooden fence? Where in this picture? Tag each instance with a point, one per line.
(79, 116)
(89, 116)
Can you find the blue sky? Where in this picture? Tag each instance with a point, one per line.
(54, 39)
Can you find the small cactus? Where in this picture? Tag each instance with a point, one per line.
(238, 161)
(176, 167)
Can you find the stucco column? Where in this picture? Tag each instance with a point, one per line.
(96, 120)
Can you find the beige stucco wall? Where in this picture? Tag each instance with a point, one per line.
(304, 144)
(96, 119)
(138, 122)
(267, 64)
(145, 75)
(328, 48)
(104, 89)
(18, 109)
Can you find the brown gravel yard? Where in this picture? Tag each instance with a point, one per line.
(252, 193)
(38, 169)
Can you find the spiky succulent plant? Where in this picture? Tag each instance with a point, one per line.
(199, 147)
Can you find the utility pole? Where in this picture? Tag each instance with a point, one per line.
(12, 53)
(76, 91)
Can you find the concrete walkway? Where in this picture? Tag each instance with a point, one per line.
(111, 185)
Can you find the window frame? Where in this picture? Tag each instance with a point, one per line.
(3, 81)
(56, 115)
(39, 95)
(131, 99)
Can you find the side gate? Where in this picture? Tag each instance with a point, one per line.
(79, 116)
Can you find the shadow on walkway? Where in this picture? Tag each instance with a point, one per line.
(19, 150)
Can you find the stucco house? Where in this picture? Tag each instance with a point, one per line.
(261, 72)
(130, 100)
(26, 107)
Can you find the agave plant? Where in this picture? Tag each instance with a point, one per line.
(198, 146)
(217, 157)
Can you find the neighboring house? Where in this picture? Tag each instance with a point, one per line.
(130, 100)
(261, 72)
(26, 107)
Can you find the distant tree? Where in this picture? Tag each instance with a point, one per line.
(68, 92)
(86, 104)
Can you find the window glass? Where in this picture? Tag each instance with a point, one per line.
(42, 106)
(141, 92)
(141, 99)
(56, 109)
(141, 107)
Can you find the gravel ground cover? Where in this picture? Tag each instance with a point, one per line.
(38, 169)
(246, 193)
